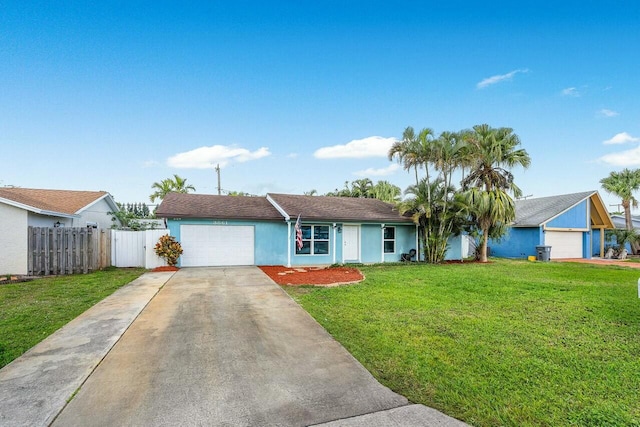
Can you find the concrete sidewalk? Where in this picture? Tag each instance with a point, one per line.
(35, 387)
(227, 346)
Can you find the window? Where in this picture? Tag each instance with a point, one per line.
(315, 240)
(389, 240)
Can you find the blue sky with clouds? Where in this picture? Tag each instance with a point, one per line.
(294, 96)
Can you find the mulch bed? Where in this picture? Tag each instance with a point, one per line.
(166, 268)
(320, 276)
(4, 280)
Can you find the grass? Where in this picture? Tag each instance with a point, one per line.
(31, 311)
(507, 343)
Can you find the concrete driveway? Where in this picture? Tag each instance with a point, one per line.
(226, 346)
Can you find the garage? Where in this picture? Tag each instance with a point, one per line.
(216, 245)
(564, 244)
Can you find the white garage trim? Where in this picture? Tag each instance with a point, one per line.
(217, 245)
(564, 244)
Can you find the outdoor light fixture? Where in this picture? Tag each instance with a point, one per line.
(56, 224)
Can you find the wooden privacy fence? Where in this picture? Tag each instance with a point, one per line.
(67, 250)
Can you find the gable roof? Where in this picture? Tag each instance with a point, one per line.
(325, 208)
(181, 205)
(536, 212)
(52, 202)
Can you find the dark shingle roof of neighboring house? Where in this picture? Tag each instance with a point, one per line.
(180, 205)
(67, 202)
(323, 208)
(535, 212)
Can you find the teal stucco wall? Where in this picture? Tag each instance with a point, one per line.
(371, 243)
(273, 239)
(269, 238)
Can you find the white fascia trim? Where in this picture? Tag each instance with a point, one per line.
(36, 210)
(278, 208)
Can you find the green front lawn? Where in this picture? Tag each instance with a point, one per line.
(506, 343)
(31, 311)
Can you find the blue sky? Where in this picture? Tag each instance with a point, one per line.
(294, 96)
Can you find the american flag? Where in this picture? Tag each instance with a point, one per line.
(298, 234)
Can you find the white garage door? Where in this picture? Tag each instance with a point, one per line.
(216, 245)
(564, 244)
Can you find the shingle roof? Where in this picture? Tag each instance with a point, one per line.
(535, 212)
(179, 205)
(310, 208)
(61, 201)
(338, 208)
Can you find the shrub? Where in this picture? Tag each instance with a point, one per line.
(169, 249)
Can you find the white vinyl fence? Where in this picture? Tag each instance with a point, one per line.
(136, 248)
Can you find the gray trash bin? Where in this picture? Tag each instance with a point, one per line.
(544, 253)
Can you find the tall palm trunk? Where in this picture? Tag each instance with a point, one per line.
(484, 245)
(626, 205)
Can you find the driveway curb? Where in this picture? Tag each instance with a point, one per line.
(36, 387)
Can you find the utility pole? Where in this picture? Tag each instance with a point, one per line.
(217, 168)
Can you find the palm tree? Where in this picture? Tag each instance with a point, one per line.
(168, 185)
(413, 150)
(361, 188)
(386, 191)
(180, 185)
(493, 151)
(623, 184)
(450, 152)
(439, 212)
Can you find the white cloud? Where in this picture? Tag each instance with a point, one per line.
(389, 170)
(373, 146)
(608, 113)
(623, 158)
(292, 155)
(570, 91)
(621, 138)
(499, 78)
(209, 157)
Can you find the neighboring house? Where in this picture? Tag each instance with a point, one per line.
(24, 207)
(620, 222)
(572, 224)
(239, 230)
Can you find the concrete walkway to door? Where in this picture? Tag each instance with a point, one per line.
(226, 346)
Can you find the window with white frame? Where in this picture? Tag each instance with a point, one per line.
(389, 240)
(315, 240)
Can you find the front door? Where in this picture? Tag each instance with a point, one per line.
(351, 239)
